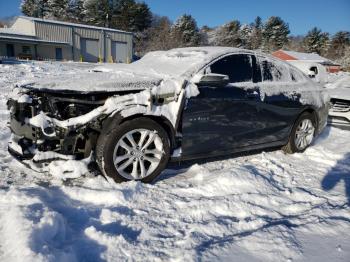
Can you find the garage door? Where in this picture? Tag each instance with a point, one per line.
(89, 50)
(119, 52)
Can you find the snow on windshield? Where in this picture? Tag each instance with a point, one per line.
(180, 61)
(171, 63)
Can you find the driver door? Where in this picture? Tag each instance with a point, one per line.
(222, 118)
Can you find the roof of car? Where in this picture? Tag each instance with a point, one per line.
(211, 50)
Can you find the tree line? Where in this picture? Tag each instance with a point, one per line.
(153, 32)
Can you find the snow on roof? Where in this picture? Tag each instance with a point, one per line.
(306, 56)
(72, 24)
(183, 61)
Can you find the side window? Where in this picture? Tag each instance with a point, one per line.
(237, 67)
(273, 71)
(297, 76)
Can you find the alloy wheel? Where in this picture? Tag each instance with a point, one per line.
(304, 134)
(138, 153)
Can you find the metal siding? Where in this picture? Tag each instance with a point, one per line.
(83, 33)
(71, 34)
(48, 52)
(53, 32)
(120, 37)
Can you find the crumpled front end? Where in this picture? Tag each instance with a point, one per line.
(51, 125)
(37, 125)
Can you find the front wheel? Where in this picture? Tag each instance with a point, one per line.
(135, 150)
(302, 134)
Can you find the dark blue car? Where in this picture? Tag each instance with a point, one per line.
(184, 103)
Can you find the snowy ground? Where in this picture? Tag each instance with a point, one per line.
(266, 206)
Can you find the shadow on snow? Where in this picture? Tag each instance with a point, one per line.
(340, 172)
(77, 217)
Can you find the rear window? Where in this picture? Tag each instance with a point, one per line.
(297, 76)
(274, 71)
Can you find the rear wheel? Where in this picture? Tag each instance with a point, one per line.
(135, 150)
(302, 135)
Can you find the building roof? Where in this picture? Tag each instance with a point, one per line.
(30, 39)
(306, 56)
(73, 24)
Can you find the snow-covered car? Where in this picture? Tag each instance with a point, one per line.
(316, 71)
(339, 92)
(180, 104)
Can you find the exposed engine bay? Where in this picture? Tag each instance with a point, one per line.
(54, 125)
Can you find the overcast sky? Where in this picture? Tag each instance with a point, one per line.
(302, 15)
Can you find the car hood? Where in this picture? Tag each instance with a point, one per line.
(96, 80)
(340, 93)
(340, 89)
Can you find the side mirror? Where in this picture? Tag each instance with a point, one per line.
(214, 80)
(311, 74)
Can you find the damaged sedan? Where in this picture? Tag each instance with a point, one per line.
(180, 104)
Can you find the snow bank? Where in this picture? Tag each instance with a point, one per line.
(261, 207)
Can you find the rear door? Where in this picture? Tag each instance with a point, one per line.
(221, 119)
(280, 104)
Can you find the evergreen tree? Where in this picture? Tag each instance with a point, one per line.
(340, 42)
(29, 7)
(130, 15)
(256, 35)
(157, 37)
(58, 9)
(229, 34)
(316, 41)
(185, 31)
(76, 11)
(35, 8)
(275, 34)
(96, 12)
(142, 17)
(246, 34)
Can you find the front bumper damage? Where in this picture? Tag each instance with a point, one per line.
(35, 132)
(40, 134)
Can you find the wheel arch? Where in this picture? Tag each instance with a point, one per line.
(308, 109)
(312, 111)
(114, 121)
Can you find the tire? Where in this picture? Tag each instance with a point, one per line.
(115, 144)
(293, 146)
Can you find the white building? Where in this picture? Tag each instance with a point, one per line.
(41, 39)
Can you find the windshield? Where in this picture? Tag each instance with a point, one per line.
(172, 63)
